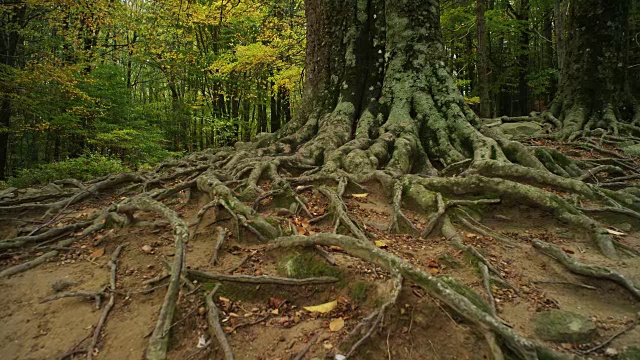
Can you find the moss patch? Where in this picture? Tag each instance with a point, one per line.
(306, 264)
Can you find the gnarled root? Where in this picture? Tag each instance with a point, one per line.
(587, 270)
(525, 348)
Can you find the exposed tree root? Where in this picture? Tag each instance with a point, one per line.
(262, 279)
(96, 295)
(447, 167)
(371, 323)
(113, 263)
(214, 325)
(587, 270)
(158, 341)
(221, 235)
(525, 348)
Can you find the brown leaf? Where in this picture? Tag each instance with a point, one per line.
(97, 253)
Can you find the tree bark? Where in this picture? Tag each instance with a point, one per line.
(483, 60)
(560, 11)
(592, 91)
(11, 23)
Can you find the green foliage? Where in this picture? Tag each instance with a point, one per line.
(85, 167)
(540, 82)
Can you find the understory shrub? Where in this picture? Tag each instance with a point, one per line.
(85, 167)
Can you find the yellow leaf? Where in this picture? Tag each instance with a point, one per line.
(336, 324)
(361, 196)
(322, 308)
(381, 243)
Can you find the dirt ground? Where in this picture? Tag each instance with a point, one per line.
(270, 322)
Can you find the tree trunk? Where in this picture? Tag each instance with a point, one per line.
(560, 11)
(592, 92)
(10, 42)
(523, 59)
(483, 60)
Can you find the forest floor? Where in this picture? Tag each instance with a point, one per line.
(270, 321)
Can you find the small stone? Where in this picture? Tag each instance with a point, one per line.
(61, 285)
(202, 310)
(147, 249)
(564, 327)
(611, 352)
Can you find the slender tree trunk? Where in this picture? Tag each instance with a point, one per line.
(483, 60)
(523, 59)
(560, 11)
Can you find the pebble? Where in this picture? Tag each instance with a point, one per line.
(147, 249)
(611, 352)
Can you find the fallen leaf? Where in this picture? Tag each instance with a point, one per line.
(322, 308)
(614, 232)
(381, 243)
(361, 196)
(97, 253)
(336, 324)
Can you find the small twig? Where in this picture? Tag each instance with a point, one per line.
(608, 341)
(214, 325)
(242, 261)
(249, 323)
(87, 294)
(565, 283)
(302, 352)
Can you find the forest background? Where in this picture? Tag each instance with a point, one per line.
(93, 87)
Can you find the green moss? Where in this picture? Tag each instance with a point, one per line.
(359, 292)
(306, 264)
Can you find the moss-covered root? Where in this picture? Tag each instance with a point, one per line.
(525, 194)
(159, 340)
(341, 215)
(584, 269)
(244, 214)
(400, 223)
(523, 347)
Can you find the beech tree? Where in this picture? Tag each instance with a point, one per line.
(380, 106)
(594, 89)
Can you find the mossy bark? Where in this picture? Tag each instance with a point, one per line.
(593, 88)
